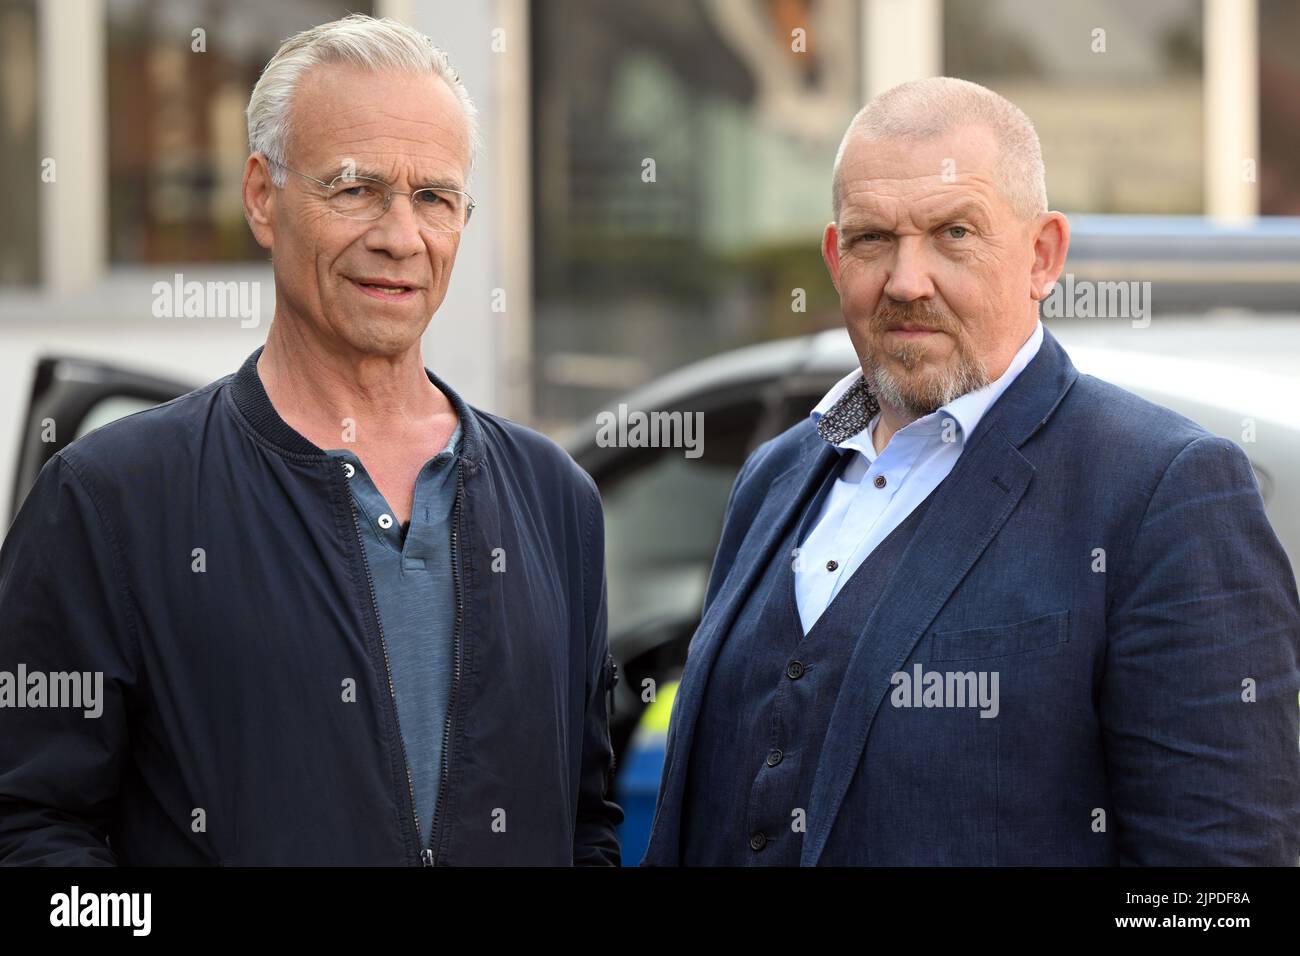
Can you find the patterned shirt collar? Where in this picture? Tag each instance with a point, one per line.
(849, 412)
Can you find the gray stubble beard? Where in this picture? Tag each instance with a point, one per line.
(964, 375)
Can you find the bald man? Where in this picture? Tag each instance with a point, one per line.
(980, 609)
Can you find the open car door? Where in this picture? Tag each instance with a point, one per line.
(71, 397)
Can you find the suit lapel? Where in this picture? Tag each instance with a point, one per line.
(968, 510)
(781, 505)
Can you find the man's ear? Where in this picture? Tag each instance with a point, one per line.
(831, 253)
(259, 199)
(1051, 238)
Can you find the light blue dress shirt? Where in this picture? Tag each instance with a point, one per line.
(876, 492)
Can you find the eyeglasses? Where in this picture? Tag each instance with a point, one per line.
(360, 197)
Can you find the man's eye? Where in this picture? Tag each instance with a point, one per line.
(866, 237)
(956, 232)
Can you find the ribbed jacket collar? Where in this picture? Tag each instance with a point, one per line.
(250, 398)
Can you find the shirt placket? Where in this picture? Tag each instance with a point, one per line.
(869, 504)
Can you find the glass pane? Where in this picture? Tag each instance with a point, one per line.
(20, 162)
(177, 136)
(1279, 107)
(740, 106)
(110, 410)
(663, 518)
(1119, 111)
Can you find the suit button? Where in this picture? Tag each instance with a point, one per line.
(879, 481)
(795, 670)
(758, 841)
(832, 565)
(774, 758)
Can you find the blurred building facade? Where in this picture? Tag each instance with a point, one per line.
(656, 176)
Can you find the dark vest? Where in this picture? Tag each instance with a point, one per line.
(768, 702)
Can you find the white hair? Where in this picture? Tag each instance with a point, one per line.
(921, 109)
(373, 44)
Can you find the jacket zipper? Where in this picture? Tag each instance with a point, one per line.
(436, 826)
(383, 646)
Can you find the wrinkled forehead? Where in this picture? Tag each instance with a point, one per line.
(385, 124)
(919, 174)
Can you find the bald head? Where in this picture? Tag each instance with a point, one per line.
(924, 109)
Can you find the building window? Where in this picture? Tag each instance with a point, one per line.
(20, 161)
(1114, 89)
(1279, 108)
(177, 136)
(682, 177)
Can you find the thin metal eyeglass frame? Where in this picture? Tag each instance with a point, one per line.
(389, 193)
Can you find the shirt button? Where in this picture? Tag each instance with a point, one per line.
(880, 481)
(385, 521)
(757, 841)
(832, 565)
(774, 758)
(795, 670)
(348, 470)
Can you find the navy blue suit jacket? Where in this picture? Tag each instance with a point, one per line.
(1148, 711)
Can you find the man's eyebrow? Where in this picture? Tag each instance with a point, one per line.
(867, 222)
(346, 172)
(429, 182)
(859, 222)
(436, 183)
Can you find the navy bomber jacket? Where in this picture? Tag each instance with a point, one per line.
(204, 558)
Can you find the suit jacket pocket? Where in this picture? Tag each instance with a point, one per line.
(1002, 639)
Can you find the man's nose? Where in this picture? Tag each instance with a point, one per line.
(909, 276)
(397, 231)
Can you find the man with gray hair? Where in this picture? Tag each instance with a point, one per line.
(342, 617)
(980, 609)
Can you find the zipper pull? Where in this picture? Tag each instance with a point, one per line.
(611, 681)
(427, 856)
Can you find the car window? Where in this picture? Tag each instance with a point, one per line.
(663, 518)
(110, 410)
